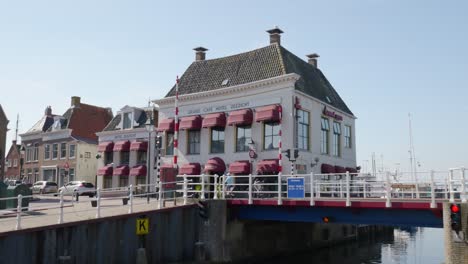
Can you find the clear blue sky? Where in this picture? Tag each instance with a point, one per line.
(385, 58)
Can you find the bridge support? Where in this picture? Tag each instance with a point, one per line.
(456, 247)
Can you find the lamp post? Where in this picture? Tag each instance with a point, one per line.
(150, 128)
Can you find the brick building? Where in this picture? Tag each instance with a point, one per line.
(14, 162)
(3, 132)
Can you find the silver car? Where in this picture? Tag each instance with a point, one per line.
(79, 187)
(44, 187)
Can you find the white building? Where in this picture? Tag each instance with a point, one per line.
(227, 103)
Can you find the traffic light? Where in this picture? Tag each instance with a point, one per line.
(159, 142)
(288, 153)
(455, 217)
(202, 209)
(296, 153)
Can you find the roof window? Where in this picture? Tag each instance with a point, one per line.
(225, 82)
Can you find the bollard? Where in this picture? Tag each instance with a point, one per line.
(60, 220)
(76, 195)
(348, 189)
(451, 191)
(160, 195)
(130, 200)
(250, 189)
(433, 203)
(98, 202)
(280, 198)
(388, 192)
(185, 190)
(463, 190)
(18, 212)
(312, 201)
(202, 196)
(215, 187)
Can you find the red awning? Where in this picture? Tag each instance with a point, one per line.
(241, 167)
(351, 170)
(268, 166)
(327, 168)
(190, 169)
(166, 125)
(122, 146)
(122, 170)
(339, 169)
(105, 171)
(191, 122)
(139, 170)
(240, 117)
(214, 120)
(268, 113)
(105, 146)
(139, 146)
(215, 166)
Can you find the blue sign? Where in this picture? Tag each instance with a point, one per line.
(296, 187)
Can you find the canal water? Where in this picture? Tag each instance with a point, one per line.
(405, 246)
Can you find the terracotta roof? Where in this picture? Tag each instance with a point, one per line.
(85, 120)
(259, 64)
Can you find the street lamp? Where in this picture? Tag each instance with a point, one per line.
(150, 128)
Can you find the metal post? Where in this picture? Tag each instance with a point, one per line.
(463, 190)
(60, 221)
(416, 185)
(98, 202)
(433, 203)
(215, 187)
(312, 201)
(341, 188)
(446, 189)
(364, 189)
(280, 198)
(130, 198)
(250, 188)
(388, 192)
(318, 188)
(223, 186)
(185, 189)
(348, 191)
(18, 212)
(452, 193)
(202, 196)
(75, 193)
(160, 195)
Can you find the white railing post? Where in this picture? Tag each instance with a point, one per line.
(98, 202)
(223, 187)
(388, 203)
(160, 195)
(280, 199)
(463, 190)
(433, 203)
(215, 195)
(312, 186)
(364, 190)
(202, 196)
(60, 220)
(18, 212)
(185, 189)
(130, 199)
(341, 188)
(348, 191)
(317, 191)
(416, 184)
(250, 188)
(446, 189)
(450, 183)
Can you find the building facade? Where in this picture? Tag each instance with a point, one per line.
(235, 110)
(3, 133)
(14, 162)
(63, 148)
(124, 150)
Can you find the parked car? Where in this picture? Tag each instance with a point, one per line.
(80, 187)
(44, 187)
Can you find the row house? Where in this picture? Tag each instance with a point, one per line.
(232, 109)
(124, 150)
(63, 148)
(14, 162)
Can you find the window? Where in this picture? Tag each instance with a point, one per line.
(123, 181)
(15, 163)
(243, 137)
(302, 130)
(272, 137)
(54, 151)
(347, 136)
(87, 155)
(47, 152)
(141, 157)
(36, 152)
(125, 157)
(336, 139)
(108, 157)
(217, 140)
(170, 143)
(107, 182)
(193, 142)
(71, 174)
(71, 151)
(63, 150)
(8, 163)
(324, 136)
(127, 120)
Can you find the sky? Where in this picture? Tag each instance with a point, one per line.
(385, 58)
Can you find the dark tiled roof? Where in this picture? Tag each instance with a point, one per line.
(141, 122)
(267, 62)
(113, 123)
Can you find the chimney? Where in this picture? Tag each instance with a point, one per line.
(313, 59)
(275, 35)
(200, 53)
(48, 111)
(75, 101)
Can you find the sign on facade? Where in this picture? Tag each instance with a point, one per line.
(142, 226)
(296, 188)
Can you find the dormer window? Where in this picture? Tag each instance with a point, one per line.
(57, 124)
(127, 120)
